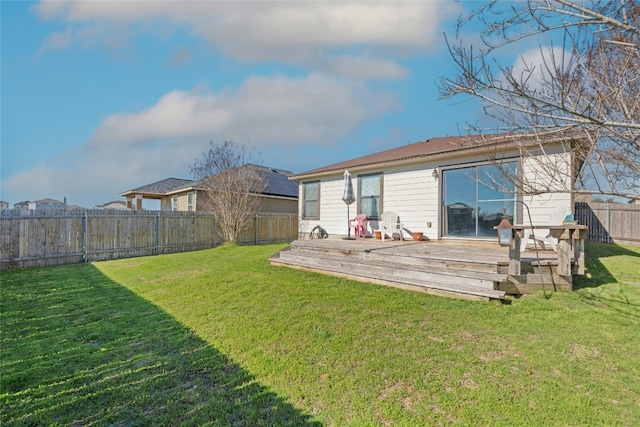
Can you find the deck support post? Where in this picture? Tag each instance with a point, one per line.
(514, 253)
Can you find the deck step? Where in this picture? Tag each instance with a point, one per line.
(441, 271)
(453, 283)
(420, 257)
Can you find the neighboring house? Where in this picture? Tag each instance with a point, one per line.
(116, 205)
(279, 196)
(434, 186)
(41, 205)
(169, 191)
(4, 205)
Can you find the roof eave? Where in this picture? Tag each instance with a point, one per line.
(396, 162)
(502, 144)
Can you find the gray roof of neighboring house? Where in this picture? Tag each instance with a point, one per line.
(111, 203)
(48, 200)
(165, 186)
(278, 184)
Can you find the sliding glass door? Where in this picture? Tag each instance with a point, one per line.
(474, 199)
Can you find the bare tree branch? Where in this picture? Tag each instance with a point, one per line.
(589, 84)
(232, 186)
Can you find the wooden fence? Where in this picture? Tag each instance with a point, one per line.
(48, 238)
(610, 222)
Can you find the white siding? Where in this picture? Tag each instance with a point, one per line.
(333, 211)
(414, 194)
(536, 172)
(410, 192)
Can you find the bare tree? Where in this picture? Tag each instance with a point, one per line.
(584, 82)
(232, 186)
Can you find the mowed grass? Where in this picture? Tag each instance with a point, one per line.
(220, 337)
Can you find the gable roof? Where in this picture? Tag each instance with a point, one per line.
(277, 184)
(49, 200)
(163, 187)
(432, 149)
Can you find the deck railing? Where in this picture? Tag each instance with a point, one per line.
(39, 238)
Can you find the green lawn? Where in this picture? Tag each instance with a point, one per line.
(220, 337)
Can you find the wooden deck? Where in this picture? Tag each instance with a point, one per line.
(460, 269)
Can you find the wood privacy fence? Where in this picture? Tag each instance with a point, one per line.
(610, 222)
(48, 238)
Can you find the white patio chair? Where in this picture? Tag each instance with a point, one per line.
(389, 222)
(543, 235)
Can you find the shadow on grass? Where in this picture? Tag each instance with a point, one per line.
(80, 349)
(598, 275)
(595, 269)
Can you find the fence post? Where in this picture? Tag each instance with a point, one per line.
(608, 223)
(158, 233)
(289, 229)
(215, 231)
(85, 226)
(255, 230)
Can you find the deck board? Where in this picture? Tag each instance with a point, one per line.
(454, 268)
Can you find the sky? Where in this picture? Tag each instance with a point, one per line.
(101, 97)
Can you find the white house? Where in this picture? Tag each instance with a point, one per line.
(447, 187)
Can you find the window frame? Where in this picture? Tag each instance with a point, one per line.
(190, 198)
(516, 208)
(381, 195)
(305, 200)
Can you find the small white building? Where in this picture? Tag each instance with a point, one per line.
(448, 187)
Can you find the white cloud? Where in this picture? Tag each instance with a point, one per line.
(533, 65)
(59, 40)
(314, 109)
(354, 35)
(130, 149)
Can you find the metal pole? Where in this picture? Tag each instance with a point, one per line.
(349, 228)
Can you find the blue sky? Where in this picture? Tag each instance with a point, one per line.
(102, 97)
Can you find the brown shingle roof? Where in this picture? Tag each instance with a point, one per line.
(423, 150)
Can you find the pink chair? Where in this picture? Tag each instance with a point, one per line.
(358, 224)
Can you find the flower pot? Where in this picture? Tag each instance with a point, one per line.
(417, 236)
(378, 234)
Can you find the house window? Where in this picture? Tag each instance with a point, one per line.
(190, 202)
(174, 203)
(370, 195)
(311, 200)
